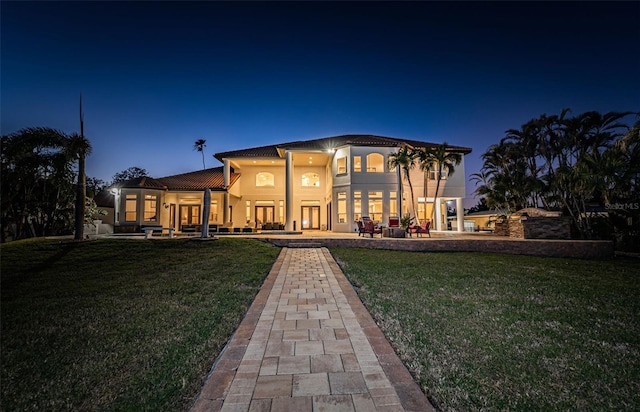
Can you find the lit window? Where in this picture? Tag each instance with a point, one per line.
(375, 206)
(392, 167)
(342, 165)
(311, 180)
(150, 208)
(213, 212)
(393, 203)
(357, 164)
(357, 206)
(432, 173)
(130, 208)
(265, 179)
(375, 163)
(342, 207)
(248, 210)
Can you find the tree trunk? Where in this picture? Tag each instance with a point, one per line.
(205, 214)
(80, 199)
(435, 198)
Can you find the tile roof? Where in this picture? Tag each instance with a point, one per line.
(212, 178)
(329, 143)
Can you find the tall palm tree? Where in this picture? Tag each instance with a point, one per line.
(199, 145)
(404, 160)
(445, 162)
(78, 147)
(424, 157)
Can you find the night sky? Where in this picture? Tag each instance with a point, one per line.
(156, 76)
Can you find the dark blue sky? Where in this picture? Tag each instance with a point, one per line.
(156, 76)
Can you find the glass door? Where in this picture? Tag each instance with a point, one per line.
(310, 217)
(264, 214)
(189, 215)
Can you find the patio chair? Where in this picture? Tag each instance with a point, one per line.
(371, 228)
(419, 230)
(360, 228)
(394, 221)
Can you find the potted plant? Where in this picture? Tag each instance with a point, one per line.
(405, 222)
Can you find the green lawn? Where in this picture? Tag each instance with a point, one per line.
(136, 325)
(503, 332)
(120, 324)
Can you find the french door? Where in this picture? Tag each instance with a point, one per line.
(189, 215)
(310, 217)
(265, 214)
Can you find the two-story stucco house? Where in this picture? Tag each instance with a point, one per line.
(322, 184)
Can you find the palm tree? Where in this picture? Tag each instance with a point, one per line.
(78, 147)
(199, 145)
(426, 164)
(445, 162)
(404, 161)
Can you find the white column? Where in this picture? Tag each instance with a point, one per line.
(288, 192)
(399, 193)
(437, 205)
(226, 175)
(460, 214)
(226, 172)
(116, 209)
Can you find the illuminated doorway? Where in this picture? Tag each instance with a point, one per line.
(189, 215)
(310, 217)
(264, 214)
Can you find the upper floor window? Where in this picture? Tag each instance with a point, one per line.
(265, 179)
(375, 163)
(357, 164)
(342, 165)
(433, 173)
(392, 167)
(311, 180)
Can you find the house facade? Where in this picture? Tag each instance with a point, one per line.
(322, 184)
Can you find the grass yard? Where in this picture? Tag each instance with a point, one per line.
(503, 332)
(120, 324)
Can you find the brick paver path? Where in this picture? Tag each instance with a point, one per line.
(308, 344)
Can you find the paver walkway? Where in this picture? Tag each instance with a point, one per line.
(308, 344)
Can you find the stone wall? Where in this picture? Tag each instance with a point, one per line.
(539, 227)
(583, 249)
(547, 228)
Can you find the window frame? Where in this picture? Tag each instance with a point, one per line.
(379, 160)
(151, 201)
(266, 174)
(341, 170)
(131, 199)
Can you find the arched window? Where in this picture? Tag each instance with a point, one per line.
(265, 179)
(311, 180)
(375, 163)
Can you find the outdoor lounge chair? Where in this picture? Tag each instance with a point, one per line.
(371, 228)
(360, 228)
(419, 230)
(394, 221)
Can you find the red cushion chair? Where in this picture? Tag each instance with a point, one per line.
(371, 228)
(419, 230)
